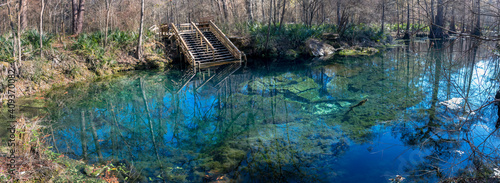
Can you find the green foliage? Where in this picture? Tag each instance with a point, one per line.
(6, 48)
(31, 38)
(364, 33)
(90, 45)
(290, 36)
(122, 39)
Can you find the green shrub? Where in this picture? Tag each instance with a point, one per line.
(6, 48)
(31, 38)
(290, 36)
(122, 39)
(364, 33)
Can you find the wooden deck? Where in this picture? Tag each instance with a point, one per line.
(202, 43)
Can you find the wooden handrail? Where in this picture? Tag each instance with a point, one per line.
(224, 40)
(184, 45)
(204, 39)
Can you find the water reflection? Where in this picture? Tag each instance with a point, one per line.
(300, 123)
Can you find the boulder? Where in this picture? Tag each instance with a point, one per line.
(318, 48)
(329, 36)
(240, 42)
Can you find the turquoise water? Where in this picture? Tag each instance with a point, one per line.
(292, 121)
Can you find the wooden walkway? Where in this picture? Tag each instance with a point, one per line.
(202, 43)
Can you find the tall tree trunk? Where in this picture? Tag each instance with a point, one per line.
(95, 137)
(397, 18)
(148, 115)
(437, 26)
(224, 9)
(19, 49)
(282, 14)
(383, 17)
(41, 27)
(338, 13)
(477, 27)
(407, 32)
(249, 5)
(81, 12)
(269, 23)
(83, 136)
(24, 18)
(139, 45)
(108, 6)
(75, 4)
(452, 22)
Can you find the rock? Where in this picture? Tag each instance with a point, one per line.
(318, 48)
(155, 61)
(291, 54)
(453, 104)
(240, 42)
(325, 108)
(329, 36)
(358, 51)
(93, 171)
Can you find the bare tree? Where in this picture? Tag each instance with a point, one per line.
(383, 17)
(438, 23)
(249, 4)
(282, 14)
(41, 27)
(139, 45)
(477, 26)
(23, 11)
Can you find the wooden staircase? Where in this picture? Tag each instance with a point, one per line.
(204, 44)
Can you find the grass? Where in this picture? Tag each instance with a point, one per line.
(36, 162)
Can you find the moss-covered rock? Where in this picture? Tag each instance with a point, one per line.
(291, 54)
(358, 51)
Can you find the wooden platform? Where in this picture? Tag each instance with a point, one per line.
(202, 43)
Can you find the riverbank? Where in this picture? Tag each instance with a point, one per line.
(67, 60)
(64, 60)
(291, 41)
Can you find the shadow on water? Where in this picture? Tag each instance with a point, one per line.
(347, 119)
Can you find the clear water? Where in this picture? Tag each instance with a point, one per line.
(292, 121)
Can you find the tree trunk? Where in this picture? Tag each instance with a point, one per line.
(24, 18)
(75, 4)
(108, 6)
(81, 12)
(383, 17)
(19, 49)
(437, 25)
(249, 4)
(282, 14)
(41, 27)
(338, 13)
(224, 9)
(83, 136)
(397, 18)
(452, 22)
(407, 32)
(95, 137)
(269, 23)
(477, 27)
(148, 115)
(139, 45)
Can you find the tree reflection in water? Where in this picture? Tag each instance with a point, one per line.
(292, 124)
(460, 143)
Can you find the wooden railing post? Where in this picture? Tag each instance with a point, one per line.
(204, 39)
(183, 45)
